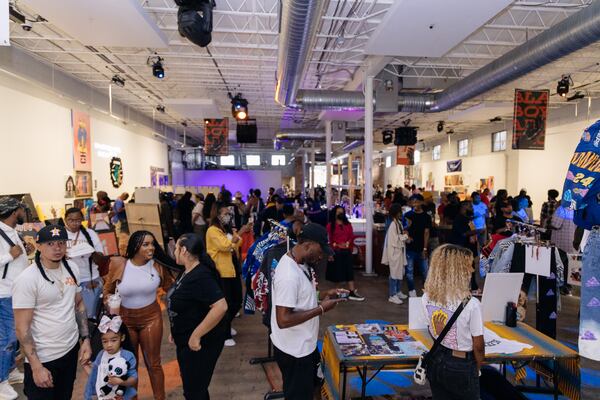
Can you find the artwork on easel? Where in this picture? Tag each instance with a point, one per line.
(144, 217)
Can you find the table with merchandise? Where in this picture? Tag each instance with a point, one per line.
(371, 348)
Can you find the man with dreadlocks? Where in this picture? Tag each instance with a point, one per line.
(50, 319)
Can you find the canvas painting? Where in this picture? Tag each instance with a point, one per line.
(83, 184)
(82, 141)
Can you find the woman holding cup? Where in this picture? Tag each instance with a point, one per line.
(131, 287)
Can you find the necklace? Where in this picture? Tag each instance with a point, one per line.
(144, 268)
(58, 279)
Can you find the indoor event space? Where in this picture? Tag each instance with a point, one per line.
(300, 199)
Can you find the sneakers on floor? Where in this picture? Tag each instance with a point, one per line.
(412, 293)
(7, 392)
(355, 296)
(395, 300)
(401, 296)
(233, 332)
(230, 343)
(15, 376)
(238, 314)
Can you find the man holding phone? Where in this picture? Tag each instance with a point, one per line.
(295, 320)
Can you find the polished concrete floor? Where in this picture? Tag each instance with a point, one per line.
(235, 378)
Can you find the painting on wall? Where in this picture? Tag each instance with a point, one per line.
(69, 187)
(83, 184)
(216, 137)
(529, 121)
(486, 183)
(82, 141)
(116, 172)
(405, 155)
(154, 175)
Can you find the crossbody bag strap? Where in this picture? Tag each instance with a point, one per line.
(11, 244)
(448, 326)
(88, 238)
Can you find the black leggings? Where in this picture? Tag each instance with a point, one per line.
(232, 289)
(197, 367)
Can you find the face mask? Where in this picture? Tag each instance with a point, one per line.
(225, 219)
(20, 220)
(340, 217)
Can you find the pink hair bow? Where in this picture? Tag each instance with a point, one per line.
(107, 323)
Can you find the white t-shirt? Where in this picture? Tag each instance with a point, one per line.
(292, 288)
(54, 328)
(139, 285)
(15, 266)
(82, 262)
(198, 210)
(468, 324)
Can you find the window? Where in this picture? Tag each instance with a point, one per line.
(388, 161)
(436, 154)
(463, 147)
(228, 161)
(417, 156)
(252, 160)
(277, 159)
(499, 141)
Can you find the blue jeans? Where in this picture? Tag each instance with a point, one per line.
(394, 286)
(91, 297)
(8, 338)
(412, 257)
(589, 326)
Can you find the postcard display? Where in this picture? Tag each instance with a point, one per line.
(375, 340)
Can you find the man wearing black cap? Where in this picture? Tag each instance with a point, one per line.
(295, 322)
(13, 260)
(50, 319)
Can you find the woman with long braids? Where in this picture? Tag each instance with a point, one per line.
(196, 307)
(137, 278)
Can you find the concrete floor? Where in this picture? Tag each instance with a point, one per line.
(235, 378)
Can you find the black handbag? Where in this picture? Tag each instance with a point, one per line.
(420, 375)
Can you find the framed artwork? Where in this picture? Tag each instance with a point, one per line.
(108, 238)
(69, 187)
(83, 184)
(82, 141)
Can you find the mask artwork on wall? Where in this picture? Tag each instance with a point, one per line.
(116, 172)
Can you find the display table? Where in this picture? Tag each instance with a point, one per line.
(547, 356)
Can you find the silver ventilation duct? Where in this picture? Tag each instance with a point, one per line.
(574, 33)
(353, 145)
(317, 136)
(298, 30)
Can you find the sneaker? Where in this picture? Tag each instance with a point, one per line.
(395, 300)
(230, 343)
(15, 376)
(237, 315)
(7, 392)
(412, 293)
(355, 296)
(233, 332)
(401, 296)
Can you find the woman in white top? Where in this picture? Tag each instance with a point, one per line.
(137, 278)
(394, 254)
(453, 371)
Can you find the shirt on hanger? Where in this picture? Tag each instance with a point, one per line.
(537, 260)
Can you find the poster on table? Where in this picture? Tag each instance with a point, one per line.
(454, 166)
(216, 137)
(529, 121)
(405, 155)
(82, 141)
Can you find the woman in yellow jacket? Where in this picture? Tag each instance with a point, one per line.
(222, 245)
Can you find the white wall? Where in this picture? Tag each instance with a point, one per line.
(36, 149)
(234, 180)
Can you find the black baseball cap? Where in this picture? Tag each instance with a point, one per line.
(51, 233)
(316, 233)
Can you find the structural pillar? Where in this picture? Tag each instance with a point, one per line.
(312, 171)
(350, 181)
(328, 134)
(368, 178)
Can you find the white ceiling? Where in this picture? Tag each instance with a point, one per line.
(244, 47)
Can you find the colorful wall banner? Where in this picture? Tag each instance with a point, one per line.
(216, 137)
(454, 166)
(405, 155)
(529, 121)
(82, 141)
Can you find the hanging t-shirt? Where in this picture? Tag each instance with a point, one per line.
(468, 324)
(581, 191)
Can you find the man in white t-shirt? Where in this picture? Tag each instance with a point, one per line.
(50, 319)
(13, 260)
(197, 218)
(295, 317)
(89, 276)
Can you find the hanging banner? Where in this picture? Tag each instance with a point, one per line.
(454, 166)
(82, 141)
(405, 155)
(216, 137)
(529, 120)
(4, 30)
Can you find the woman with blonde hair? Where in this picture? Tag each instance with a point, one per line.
(453, 370)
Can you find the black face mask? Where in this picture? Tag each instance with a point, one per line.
(20, 220)
(340, 217)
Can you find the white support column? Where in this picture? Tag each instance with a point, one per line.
(312, 170)
(350, 181)
(328, 162)
(368, 178)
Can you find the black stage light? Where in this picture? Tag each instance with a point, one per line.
(239, 107)
(160, 108)
(158, 70)
(388, 136)
(562, 88)
(440, 126)
(117, 80)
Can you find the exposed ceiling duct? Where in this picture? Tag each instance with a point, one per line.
(317, 136)
(297, 33)
(353, 145)
(574, 33)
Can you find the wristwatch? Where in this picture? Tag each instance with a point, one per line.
(82, 338)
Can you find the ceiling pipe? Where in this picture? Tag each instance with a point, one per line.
(574, 33)
(298, 27)
(353, 145)
(317, 136)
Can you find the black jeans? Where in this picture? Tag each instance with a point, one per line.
(232, 289)
(63, 372)
(452, 378)
(300, 375)
(196, 368)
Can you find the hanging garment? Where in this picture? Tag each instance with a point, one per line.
(537, 260)
(256, 251)
(394, 250)
(589, 327)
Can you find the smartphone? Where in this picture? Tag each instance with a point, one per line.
(343, 295)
